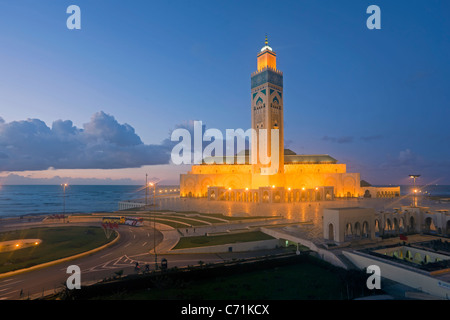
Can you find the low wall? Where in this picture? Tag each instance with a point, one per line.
(76, 218)
(235, 247)
(406, 275)
(322, 253)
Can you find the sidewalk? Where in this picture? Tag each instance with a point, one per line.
(170, 238)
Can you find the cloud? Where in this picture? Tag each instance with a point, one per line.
(346, 139)
(407, 157)
(372, 138)
(102, 143)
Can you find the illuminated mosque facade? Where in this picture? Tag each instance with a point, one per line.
(296, 178)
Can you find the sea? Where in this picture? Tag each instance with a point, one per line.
(23, 200)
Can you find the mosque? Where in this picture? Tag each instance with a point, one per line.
(295, 178)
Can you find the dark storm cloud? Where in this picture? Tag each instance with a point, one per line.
(102, 143)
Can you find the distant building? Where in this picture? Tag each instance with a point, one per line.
(352, 224)
(345, 224)
(296, 178)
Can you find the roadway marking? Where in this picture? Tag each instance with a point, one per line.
(9, 295)
(111, 265)
(8, 280)
(144, 243)
(7, 284)
(127, 244)
(106, 255)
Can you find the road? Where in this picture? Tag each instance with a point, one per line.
(133, 247)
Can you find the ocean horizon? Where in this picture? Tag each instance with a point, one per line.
(18, 200)
(22, 200)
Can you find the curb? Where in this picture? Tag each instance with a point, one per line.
(51, 263)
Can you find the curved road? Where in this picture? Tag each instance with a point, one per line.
(134, 245)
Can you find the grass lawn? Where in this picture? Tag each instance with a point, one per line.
(57, 242)
(201, 241)
(173, 224)
(309, 280)
(194, 221)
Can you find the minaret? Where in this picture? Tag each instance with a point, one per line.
(267, 104)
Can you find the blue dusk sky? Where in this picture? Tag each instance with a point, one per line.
(100, 102)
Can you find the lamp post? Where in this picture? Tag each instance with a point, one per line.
(154, 242)
(146, 190)
(153, 184)
(64, 185)
(414, 176)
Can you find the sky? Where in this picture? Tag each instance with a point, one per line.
(100, 103)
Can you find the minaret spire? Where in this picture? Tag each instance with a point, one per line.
(266, 45)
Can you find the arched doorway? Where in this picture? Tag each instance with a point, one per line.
(348, 234)
(388, 225)
(412, 224)
(401, 225)
(357, 230)
(447, 228)
(331, 232)
(367, 194)
(377, 227)
(395, 224)
(365, 230)
(265, 196)
(429, 225)
(277, 197)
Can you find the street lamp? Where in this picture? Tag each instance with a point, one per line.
(153, 184)
(146, 190)
(414, 176)
(64, 185)
(154, 241)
